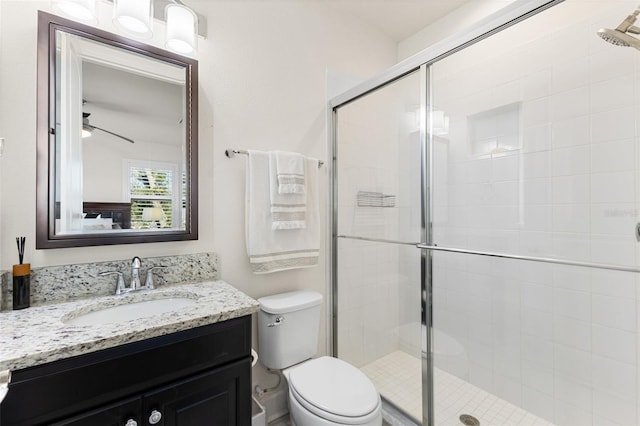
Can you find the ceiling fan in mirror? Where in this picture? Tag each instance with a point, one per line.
(88, 128)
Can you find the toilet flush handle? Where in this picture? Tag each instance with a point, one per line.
(279, 320)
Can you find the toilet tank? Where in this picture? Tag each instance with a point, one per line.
(288, 326)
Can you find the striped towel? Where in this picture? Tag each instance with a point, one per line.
(288, 211)
(290, 172)
(269, 250)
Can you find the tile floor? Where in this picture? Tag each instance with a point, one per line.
(397, 376)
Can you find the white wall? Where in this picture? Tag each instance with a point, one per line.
(262, 85)
(463, 17)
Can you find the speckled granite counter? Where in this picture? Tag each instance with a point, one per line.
(37, 335)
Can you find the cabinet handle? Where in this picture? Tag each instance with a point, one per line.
(155, 417)
(131, 422)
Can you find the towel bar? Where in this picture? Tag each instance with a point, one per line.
(232, 152)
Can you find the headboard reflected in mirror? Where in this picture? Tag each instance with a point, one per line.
(117, 125)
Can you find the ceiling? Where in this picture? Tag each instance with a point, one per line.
(398, 19)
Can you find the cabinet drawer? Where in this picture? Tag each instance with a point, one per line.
(56, 390)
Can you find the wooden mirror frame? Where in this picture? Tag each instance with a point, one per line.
(46, 237)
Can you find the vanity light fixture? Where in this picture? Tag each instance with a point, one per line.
(182, 28)
(134, 17)
(82, 10)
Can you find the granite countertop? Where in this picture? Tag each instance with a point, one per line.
(37, 335)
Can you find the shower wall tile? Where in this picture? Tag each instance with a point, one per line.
(537, 354)
(614, 343)
(613, 409)
(538, 403)
(570, 161)
(537, 138)
(536, 85)
(573, 392)
(614, 312)
(571, 218)
(567, 414)
(505, 168)
(615, 378)
(614, 283)
(614, 250)
(537, 296)
(536, 165)
(570, 132)
(571, 246)
(569, 74)
(613, 93)
(613, 125)
(570, 103)
(616, 187)
(571, 189)
(573, 304)
(613, 156)
(571, 332)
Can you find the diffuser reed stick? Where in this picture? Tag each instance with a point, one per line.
(20, 242)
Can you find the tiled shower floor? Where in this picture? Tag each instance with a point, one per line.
(398, 378)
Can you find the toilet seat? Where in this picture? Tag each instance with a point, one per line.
(334, 390)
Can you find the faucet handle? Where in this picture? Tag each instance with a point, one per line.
(148, 283)
(120, 288)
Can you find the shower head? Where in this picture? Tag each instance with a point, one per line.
(619, 36)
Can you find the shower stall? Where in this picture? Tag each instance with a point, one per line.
(486, 222)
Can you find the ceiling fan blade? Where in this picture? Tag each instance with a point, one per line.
(114, 134)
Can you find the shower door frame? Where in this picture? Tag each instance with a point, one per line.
(421, 62)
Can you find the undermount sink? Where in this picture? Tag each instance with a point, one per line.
(129, 312)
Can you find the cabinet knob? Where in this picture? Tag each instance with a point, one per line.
(131, 422)
(155, 417)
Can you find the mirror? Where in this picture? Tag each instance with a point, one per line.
(117, 139)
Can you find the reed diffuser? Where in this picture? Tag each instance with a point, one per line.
(21, 278)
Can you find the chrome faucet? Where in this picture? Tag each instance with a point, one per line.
(136, 283)
(136, 263)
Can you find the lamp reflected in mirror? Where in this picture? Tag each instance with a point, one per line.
(153, 215)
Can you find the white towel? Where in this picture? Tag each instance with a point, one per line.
(291, 173)
(288, 211)
(269, 250)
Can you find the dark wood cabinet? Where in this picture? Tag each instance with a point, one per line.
(196, 377)
(208, 399)
(117, 414)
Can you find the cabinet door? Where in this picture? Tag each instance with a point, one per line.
(220, 397)
(122, 413)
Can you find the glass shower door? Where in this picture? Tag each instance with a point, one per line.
(378, 285)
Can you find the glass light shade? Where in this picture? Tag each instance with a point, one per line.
(182, 28)
(134, 17)
(85, 133)
(82, 10)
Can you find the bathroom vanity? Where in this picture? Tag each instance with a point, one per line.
(191, 366)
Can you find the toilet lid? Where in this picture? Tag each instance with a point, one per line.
(333, 387)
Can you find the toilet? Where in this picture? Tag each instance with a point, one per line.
(323, 391)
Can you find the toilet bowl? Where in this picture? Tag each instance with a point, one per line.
(324, 391)
(329, 391)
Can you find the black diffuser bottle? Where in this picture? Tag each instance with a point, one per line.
(21, 286)
(21, 279)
